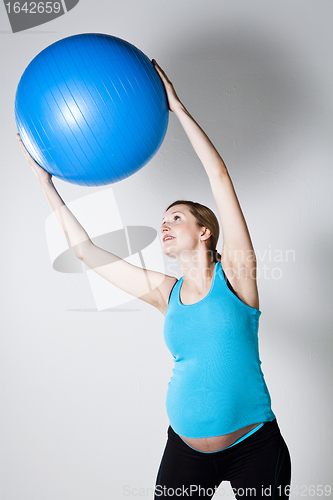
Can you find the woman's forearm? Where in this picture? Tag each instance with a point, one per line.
(76, 236)
(206, 151)
(210, 158)
(74, 232)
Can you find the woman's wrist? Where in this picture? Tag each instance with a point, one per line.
(45, 182)
(179, 108)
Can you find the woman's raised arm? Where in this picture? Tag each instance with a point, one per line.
(238, 257)
(149, 286)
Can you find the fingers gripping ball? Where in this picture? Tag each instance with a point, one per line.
(91, 109)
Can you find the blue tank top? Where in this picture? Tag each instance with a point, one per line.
(217, 385)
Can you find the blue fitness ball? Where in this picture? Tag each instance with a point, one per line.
(91, 109)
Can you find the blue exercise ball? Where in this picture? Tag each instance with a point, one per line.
(91, 109)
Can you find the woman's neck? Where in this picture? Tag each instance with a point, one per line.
(197, 276)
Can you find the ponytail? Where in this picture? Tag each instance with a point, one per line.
(217, 256)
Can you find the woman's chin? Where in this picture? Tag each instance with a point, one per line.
(169, 253)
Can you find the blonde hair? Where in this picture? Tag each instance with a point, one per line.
(205, 218)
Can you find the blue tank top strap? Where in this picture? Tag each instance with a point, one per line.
(172, 289)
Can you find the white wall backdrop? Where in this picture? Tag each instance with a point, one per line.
(83, 391)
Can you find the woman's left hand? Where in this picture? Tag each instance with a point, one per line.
(42, 174)
(173, 100)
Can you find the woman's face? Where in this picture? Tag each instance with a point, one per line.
(179, 231)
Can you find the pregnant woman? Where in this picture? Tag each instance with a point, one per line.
(222, 427)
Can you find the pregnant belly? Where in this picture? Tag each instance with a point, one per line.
(216, 443)
(205, 408)
(206, 411)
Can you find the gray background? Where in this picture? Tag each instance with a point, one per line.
(83, 393)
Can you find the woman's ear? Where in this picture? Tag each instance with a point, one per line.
(206, 233)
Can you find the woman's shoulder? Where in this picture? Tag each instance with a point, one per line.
(245, 290)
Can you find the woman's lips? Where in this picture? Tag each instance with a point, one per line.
(168, 237)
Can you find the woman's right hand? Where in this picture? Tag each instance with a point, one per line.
(42, 174)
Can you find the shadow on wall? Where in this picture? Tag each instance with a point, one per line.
(245, 90)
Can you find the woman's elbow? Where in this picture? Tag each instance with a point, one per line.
(80, 250)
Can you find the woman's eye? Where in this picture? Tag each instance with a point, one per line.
(176, 216)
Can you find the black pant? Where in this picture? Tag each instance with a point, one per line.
(259, 467)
